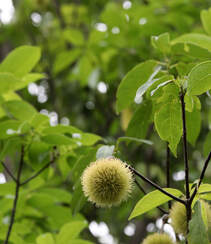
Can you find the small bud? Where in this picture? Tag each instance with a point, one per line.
(107, 182)
(158, 239)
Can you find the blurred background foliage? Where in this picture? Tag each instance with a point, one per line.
(87, 48)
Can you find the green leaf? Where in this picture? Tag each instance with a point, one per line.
(200, 40)
(8, 82)
(168, 123)
(21, 60)
(153, 200)
(29, 78)
(197, 229)
(79, 241)
(133, 139)
(9, 128)
(58, 194)
(58, 139)
(7, 188)
(20, 110)
(88, 139)
(70, 231)
(161, 42)
(83, 162)
(73, 36)
(199, 79)
(78, 199)
(132, 81)
(61, 129)
(46, 238)
(65, 59)
(193, 123)
(38, 154)
(140, 121)
(206, 20)
(207, 144)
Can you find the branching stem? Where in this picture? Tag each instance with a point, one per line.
(142, 189)
(39, 172)
(12, 220)
(9, 172)
(201, 177)
(156, 186)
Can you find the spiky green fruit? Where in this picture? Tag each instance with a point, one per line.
(107, 182)
(179, 217)
(158, 239)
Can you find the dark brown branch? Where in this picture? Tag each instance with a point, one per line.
(201, 177)
(185, 149)
(156, 186)
(12, 220)
(9, 172)
(142, 189)
(168, 170)
(39, 172)
(185, 152)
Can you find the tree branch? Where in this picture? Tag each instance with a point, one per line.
(156, 186)
(39, 172)
(9, 172)
(201, 177)
(142, 189)
(16, 196)
(185, 150)
(168, 170)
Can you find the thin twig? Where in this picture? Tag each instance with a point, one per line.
(201, 177)
(142, 189)
(12, 220)
(156, 186)
(9, 172)
(39, 172)
(168, 170)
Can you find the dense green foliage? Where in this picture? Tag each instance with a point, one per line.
(109, 75)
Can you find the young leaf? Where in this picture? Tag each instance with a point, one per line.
(21, 60)
(59, 139)
(199, 79)
(70, 231)
(8, 82)
(140, 121)
(153, 200)
(133, 139)
(73, 36)
(20, 110)
(65, 59)
(162, 42)
(168, 123)
(132, 81)
(79, 241)
(206, 20)
(197, 229)
(46, 238)
(200, 40)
